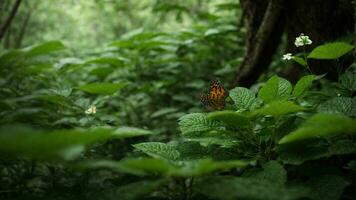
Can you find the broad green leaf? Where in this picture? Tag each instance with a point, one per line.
(327, 187)
(348, 80)
(231, 188)
(300, 60)
(107, 60)
(65, 144)
(154, 166)
(303, 85)
(230, 118)
(272, 173)
(44, 48)
(321, 125)
(331, 50)
(132, 191)
(126, 132)
(242, 97)
(339, 105)
(11, 57)
(206, 141)
(123, 44)
(276, 88)
(102, 88)
(196, 122)
(183, 169)
(278, 108)
(159, 150)
(298, 152)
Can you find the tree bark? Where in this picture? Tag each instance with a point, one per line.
(265, 29)
(8, 20)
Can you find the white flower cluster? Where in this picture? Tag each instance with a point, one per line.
(302, 40)
(287, 56)
(91, 110)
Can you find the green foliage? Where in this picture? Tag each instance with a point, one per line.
(69, 121)
(321, 125)
(158, 150)
(331, 50)
(102, 88)
(266, 184)
(276, 88)
(243, 98)
(303, 85)
(196, 122)
(65, 144)
(278, 108)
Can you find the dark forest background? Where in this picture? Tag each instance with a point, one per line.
(195, 99)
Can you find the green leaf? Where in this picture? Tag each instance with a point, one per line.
(321, 125)
(331, 50)
(339, 105)
(276, 88)
(107, 60)
(207, 141)
(154, 166)
(277, 108)
(303, 85)
(272, 173)
(147, 166)
(230, 118)
(348, 81)
(298, 152)
(126, 132)
(246, 188)
(327, 187)
(242, 97)
(132, 191)
(300, 61)
(159, 150)
(62, 144)
(44, 48)
(102, 88)
(196, 122)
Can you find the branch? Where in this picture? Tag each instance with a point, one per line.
(8, 20)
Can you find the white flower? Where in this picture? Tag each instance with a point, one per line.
(287, 56)
(91, 110)
(302, 40)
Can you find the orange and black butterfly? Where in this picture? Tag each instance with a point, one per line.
(215, 98)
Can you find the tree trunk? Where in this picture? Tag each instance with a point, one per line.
(265, 29)
(8, 20)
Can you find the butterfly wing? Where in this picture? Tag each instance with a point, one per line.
(217, 95)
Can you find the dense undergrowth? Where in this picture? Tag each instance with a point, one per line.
(104, 126)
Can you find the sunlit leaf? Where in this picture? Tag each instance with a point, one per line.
(45, 48)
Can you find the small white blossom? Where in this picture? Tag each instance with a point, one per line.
(302, 40)
(287, 56)
(91, 110)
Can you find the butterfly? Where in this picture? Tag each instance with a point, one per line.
(215, 98)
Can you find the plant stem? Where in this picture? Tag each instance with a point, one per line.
(306, 60)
